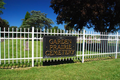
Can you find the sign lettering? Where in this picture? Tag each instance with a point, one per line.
(59, 46)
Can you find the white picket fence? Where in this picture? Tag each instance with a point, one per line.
(88, 45)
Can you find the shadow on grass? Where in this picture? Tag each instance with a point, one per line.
(36, 64)
(57, 62)
(15, 65)
(52, 62)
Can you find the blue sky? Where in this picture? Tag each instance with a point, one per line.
(16, 10)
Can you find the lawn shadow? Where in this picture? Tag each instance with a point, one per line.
(57, 62)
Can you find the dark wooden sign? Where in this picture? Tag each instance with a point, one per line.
(59, 46)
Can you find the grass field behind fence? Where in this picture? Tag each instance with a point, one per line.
(21, 52)
(96, 70)
(22, 49)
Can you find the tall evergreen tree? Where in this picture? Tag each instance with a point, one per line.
(27, 16)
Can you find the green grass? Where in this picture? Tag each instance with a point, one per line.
(20, 53)
(96, 70)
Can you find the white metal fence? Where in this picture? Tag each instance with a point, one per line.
(19, 46)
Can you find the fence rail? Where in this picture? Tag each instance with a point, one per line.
(17, 46)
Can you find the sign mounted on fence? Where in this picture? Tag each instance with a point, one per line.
(59, 46)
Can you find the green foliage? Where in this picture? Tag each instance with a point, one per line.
(55, 29)
(27, 16)
(12, 28)
(1, 6)
(102, 15)
(37, 20)
(6, 21)
(68, 27)
(4, 24)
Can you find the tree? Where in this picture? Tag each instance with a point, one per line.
(4, 24)
(67, 27)
(1, 6)
(38, 20)
(27, 16)
(102, 15)
(54, 29)
(12, 28)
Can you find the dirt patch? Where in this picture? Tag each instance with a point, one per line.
(97, 59)
(22, 68)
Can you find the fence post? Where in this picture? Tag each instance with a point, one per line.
(83, 46)
(116, 45)
(32, 46)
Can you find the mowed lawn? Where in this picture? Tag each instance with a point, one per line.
(93, 70)
(16, 49)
